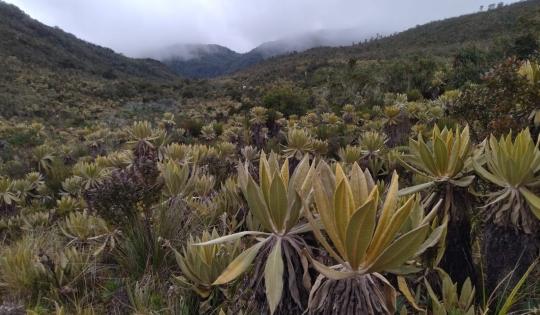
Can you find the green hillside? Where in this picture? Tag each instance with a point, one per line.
(208, 61)
(46, 70)
(398, 176)
(38, 45)
(495, 30)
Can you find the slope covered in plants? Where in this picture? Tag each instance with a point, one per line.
(366, 185)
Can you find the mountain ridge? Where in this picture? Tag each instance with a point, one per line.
(35, 43)
(46, 70)
(212, 60)
(442, 38)
(50, 74)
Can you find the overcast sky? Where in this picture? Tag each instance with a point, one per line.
(135, 26)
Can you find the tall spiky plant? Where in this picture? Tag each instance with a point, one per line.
(91, 173)
(531, 71)
(445, 161)
(142, 133)
(350, 154)
(257, 121)
(349, 115)
(373, 145)
(451, 301)
(208, 133)
(299, 143)
(513, 211)
(202, 265)
(275, 204)
(44, 156)
(7, 195)
(396, 124)
(364, 239)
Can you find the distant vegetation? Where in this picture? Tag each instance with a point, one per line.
(208, 61)
(398, 176)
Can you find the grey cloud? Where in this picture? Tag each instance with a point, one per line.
(134, 27)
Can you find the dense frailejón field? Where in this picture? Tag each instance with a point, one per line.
(337, 217)
(339, 181)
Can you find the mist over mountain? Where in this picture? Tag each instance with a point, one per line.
(203, 61)
(186, 52)
(322, 38)
(210, 60)
(127, 188)
(36, 45)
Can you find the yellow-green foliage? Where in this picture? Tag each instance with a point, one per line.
(452, 302)
(7, 196)
(276, 204)
(202, 265)
(91, 173)
(514, 166)
(84, 227)
(21, 272)
(445, 156)
(365, 239)
(348, 206)
(299, 142)
(372, 143)
(100, 206)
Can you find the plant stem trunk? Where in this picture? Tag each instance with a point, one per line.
(507, 250)
(457, 260)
